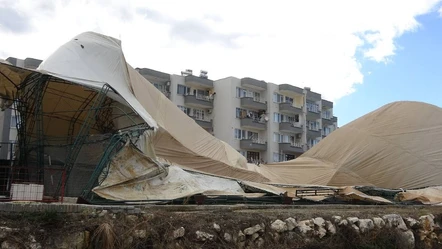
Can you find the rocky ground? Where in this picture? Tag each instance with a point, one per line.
(227, 227)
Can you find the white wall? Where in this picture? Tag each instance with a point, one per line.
(224, 108)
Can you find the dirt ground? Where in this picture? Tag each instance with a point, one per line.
(158, 223)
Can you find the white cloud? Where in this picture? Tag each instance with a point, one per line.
(304, 43)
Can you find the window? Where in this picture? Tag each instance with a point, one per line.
(288, 100)
(278, 118)
(198, 114)
(278, 98)
(281, 138)
(327, 114)
(241, 93)
(312, 142)
(313, 125)
(241, 113)
(184, 109)
(243, 134)
(312, 107)
(277, 157)
(183, 90)
(327, 131)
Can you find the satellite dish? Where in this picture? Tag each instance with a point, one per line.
(266, 118)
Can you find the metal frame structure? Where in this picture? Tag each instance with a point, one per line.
(92, 113)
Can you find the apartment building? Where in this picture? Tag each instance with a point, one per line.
(8, 118)
(192, 94)
(265, 122)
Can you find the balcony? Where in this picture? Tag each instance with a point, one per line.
(326, 121)
(327, 104)
(313, 133)
(290, 148)
(290, 127)
(197, 101)
(251, 103)
(313, 115)
(313, 96)
(250, 123)
(288, 108)
(254, 84)
(204, 123)
(192, 80)
(288, 89)
(252, 145)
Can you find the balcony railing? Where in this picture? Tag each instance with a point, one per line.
(252, 123)
(290, 148)
(290, 127)
(288, 107)
(200, 101)
(253, 144)
(253, 103)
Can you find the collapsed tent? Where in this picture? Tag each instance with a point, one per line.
(396, 146)
(95, 110)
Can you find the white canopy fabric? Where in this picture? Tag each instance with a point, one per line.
(93, 60)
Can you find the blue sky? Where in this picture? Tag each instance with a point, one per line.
(414, 73)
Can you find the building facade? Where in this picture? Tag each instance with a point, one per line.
(264, 121)
(8, 117)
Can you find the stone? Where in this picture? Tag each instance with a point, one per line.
(354, 227)
(259, 242)
(343, 223)
(405, 240)
(4, 232)
(321, 232)
(179, 233)
(319, 221)
(227, 237)
(255, 236)
(263, 227)
(241, 236)
(252, 230)
(378, 222)
(216, 227)
(365, 225)
(10, 245)
(140, 234)
(291, 223)
(336, 219)
(308, 223)
(411, 223)
(395, 221)
(103, 213)
(303, 228)
(427, 222)
(330, 227)
(279, 226)
(202, 236)
(352, 220)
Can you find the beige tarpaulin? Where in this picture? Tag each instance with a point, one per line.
(430, 195)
